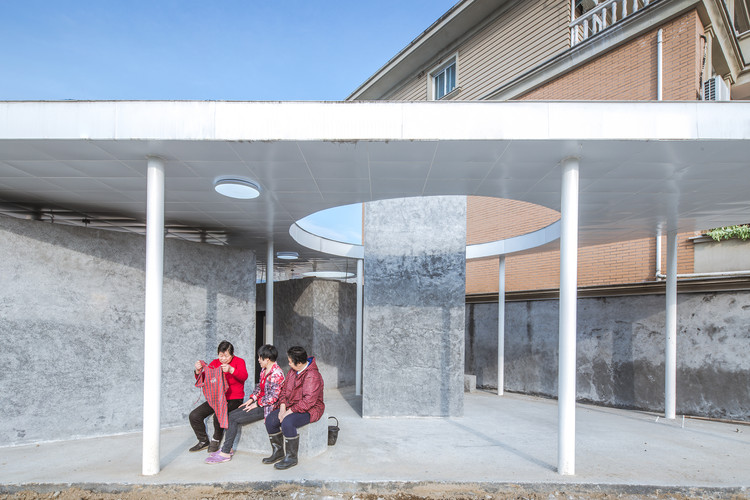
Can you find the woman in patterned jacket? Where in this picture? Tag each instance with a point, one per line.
(258, 406)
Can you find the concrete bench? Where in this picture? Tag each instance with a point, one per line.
(470, 383)
(313, 438)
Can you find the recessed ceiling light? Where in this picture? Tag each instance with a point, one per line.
(287, 255)
(233, 187)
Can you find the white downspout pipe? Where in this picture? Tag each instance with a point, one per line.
(659, 71)
(153, 316)
(358, 333)
(501, 326)
(566, 392)
(269, 293)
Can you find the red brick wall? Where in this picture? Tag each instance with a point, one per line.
(625, 73)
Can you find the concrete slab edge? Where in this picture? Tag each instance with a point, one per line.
(386, 489)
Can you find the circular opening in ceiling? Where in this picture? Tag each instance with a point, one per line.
(342, 223)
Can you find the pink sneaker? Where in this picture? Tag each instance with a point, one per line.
(217, 458)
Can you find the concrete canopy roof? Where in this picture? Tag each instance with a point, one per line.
(643, 166)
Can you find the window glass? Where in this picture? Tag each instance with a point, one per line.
(445, 81)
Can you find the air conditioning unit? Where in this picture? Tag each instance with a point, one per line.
(714, 89)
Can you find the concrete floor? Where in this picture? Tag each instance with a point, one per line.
(499, 443)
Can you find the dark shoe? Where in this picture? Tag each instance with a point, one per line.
(199, 446)
(214, 446)
(290, 460)
(277, 447)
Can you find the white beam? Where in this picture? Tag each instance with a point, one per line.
(566, 398)
(153, 315)
(501, 326)
(670, 362)
(358, 343)
(269, 293)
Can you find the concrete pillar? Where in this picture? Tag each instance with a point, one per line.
(566, 399)
(501, 326)
(414, 307)
(358, 333)
(670, 363)
(153, 315)
(269, 293)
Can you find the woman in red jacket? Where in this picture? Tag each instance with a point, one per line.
(236, 373)
(300, 403)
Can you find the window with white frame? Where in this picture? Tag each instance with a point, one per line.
(443, 79)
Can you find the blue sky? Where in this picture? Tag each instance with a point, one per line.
(203, 50)
(251, 50)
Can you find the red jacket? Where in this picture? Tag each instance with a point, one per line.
(236, 380)
(303, 392)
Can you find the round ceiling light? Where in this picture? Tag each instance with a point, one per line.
(233, 187)
(287, 255)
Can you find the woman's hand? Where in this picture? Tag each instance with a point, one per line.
(248, 405)
(227, 368)
(197, 366)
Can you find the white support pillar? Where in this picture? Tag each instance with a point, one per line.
(153, 316)
(269, 293)
(501, 326)
(358, 334)
(566, 395)
(670, 363)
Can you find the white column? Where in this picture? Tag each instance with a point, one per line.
(358, 347)
(670, 364)
(153, 315)
(269, 293)
(566, 395)
(501, 326)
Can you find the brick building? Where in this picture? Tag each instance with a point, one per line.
(620, 50)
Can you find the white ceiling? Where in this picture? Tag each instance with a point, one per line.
(642, 165)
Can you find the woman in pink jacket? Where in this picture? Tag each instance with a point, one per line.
(300, 402)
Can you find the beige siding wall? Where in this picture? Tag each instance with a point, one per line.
(522, 36)
(527, 34)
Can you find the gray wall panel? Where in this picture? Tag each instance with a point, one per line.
(620, 351)
(72, 305)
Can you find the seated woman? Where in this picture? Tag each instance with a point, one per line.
(236, 373)
(258, 406)
(300, 403)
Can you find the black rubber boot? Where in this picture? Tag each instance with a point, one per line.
(290, 460)
(277, 447)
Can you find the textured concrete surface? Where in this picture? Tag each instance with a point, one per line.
(319, 315)
(506, 443)
(253, 438)
(620, 351)
(72, 305)
(415, 268)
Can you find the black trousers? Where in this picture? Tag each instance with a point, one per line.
(198, 416)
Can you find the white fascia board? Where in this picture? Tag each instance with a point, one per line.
(380, 121)
(519, 243)
(325, 245)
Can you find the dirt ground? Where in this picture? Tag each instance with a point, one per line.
(388, 492)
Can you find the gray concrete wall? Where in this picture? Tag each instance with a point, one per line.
(72, 312)
(620, 351)
(414, 289)
(319, 315)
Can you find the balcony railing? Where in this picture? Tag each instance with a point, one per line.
(599, 15)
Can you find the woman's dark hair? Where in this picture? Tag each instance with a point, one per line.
(297, 354)
(268, 352)
(225, 346)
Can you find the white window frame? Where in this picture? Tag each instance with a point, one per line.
(437, 71)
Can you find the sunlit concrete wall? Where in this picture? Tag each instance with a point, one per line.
(72, 320)
(319, 315)
(620, 351)
(413, 361)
